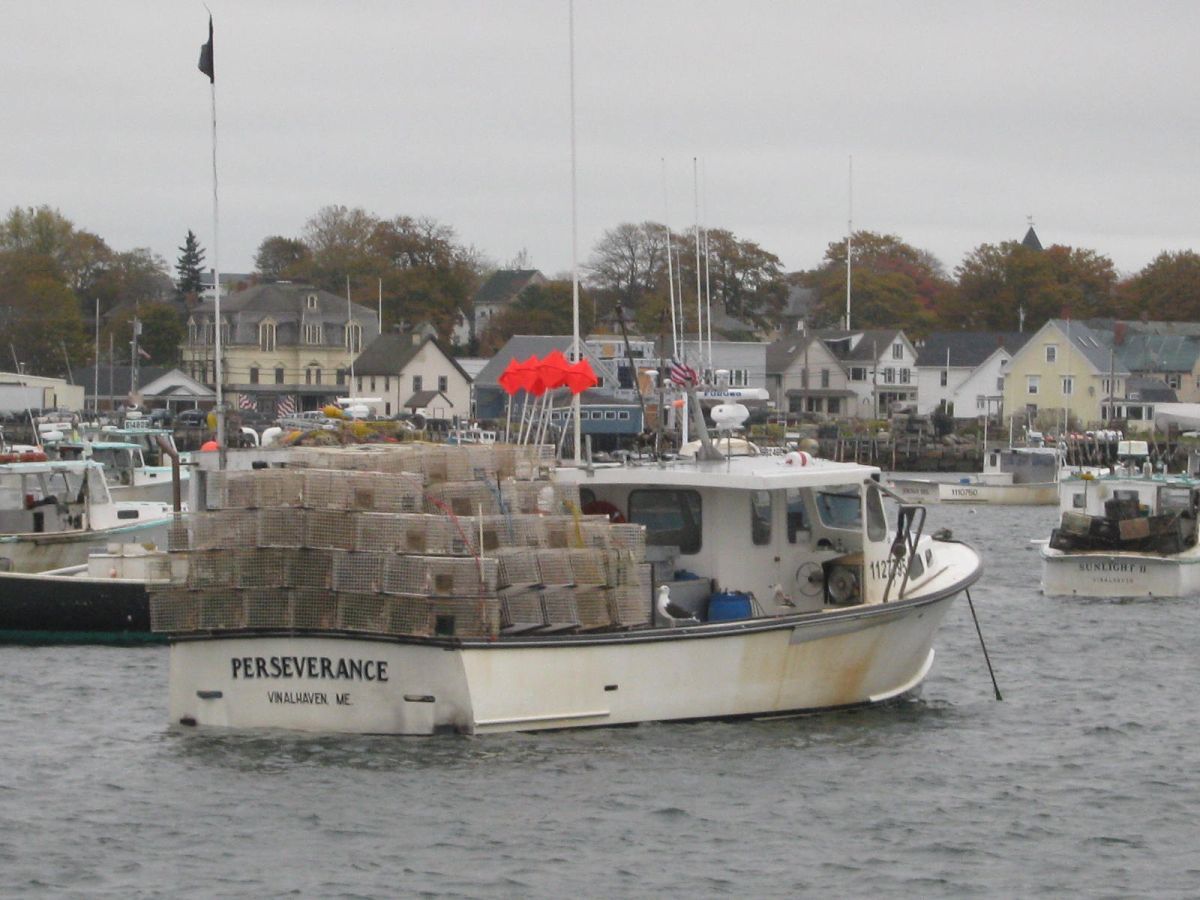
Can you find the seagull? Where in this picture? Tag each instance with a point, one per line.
(672, 612)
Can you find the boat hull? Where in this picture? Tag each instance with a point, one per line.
(30, 553)
(755, 667)
(1037, 494)
(916, 490)
(57, 609)
(1108, 574)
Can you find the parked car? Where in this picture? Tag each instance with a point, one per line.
(161, 417)
(192, 418)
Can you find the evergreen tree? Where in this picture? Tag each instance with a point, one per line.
(191, 256)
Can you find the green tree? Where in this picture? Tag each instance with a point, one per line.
(188, 266)
(892, 284)
(539, 309)
(1167, 289)
(39, 315)
(281, 258)
(998, 284)
(162, 332)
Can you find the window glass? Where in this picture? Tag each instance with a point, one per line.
(760, 517)
(838, 506)
(797, 515)
(672, 518)
(876, 517)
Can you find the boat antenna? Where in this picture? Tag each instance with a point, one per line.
(849, 236)
(707, 283)
(699, 293)
(670, 271)
(575, 346)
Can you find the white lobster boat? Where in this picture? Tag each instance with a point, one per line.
(1012, 476)
(780, 590)
(1125, 535)
(54, 513)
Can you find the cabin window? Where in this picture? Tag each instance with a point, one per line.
(1078, 501)
(797, 515)
(876, 517)
(839, 507)
(760, 517)
(672, 518)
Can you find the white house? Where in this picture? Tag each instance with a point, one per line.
(410, 371)
(962, 372)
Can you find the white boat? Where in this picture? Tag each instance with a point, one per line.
(774, 587)
(1015, 476)
(53, 513)
(1125, 535)
(130, 476)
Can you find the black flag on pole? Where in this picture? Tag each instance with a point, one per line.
(206, 54)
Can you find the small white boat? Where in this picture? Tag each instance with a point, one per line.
(1125, 535)
(771, 586)
(53, 513)
(130, 476)
(1014, 476)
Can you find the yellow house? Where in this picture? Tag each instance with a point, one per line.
(1062, 377)
(284, 347)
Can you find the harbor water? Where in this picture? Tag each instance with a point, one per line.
(1084, 781)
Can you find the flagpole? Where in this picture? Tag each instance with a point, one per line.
(575, 346)
(96, 376)
(217, 372)
(349, 339)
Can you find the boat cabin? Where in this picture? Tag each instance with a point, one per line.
(1150, 514)
(788, 538)
(1021, 465)
(48, 497)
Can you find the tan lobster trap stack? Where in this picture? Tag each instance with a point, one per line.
(412, 540)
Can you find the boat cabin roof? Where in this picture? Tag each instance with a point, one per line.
(750, 473)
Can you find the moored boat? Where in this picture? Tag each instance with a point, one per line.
(102, 601)
(54, 513)
(1125, 535)
(476, 589)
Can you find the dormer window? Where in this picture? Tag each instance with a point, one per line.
(193, 330)
(266, 336)
(353, 337)
(312, 301)
(312, 333)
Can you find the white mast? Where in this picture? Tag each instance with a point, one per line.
(849, 237)
(670, 271)
(575, 346)
(207, 57)
(699, 295)
(381, 306)
(707, 284)
(349, 336)
(96, 368)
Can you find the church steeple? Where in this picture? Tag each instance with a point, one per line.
(1031, 239)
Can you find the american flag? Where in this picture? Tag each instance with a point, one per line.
(285, 406)
(245, 401)
(683, 374)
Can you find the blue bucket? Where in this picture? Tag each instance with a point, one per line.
(728, 605)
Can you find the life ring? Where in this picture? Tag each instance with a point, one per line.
(604, 508)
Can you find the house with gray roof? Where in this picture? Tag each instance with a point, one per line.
(962, 372)
(804, 376)
(881, 369)
(498, 292)
(283, 345)
(409, 370)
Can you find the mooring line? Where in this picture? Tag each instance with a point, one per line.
(983, 645)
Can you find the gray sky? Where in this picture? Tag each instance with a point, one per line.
(962, 118)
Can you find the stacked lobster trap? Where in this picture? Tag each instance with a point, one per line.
(413, 540)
